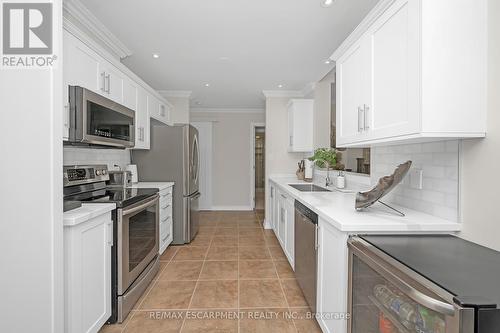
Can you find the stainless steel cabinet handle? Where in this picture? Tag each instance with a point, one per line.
(110, 233)
(366, 109)
(360, 128)
(103, 86)
(316, 238)
(291, 140)
(108, 78)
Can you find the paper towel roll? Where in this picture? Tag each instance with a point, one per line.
(133, 169)
(308, 174)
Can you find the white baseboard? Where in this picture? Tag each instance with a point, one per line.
(243, 208)
(267, 225)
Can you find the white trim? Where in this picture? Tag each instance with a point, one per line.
(226, 110)
(267, 225)
(367, 22)
(253, 125)
(176, 93)
(309, 88)
(85, 18)
(282, 93)
(232, 208)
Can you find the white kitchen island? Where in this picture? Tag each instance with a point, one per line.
(337, 221)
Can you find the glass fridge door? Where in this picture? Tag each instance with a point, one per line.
(385, 300)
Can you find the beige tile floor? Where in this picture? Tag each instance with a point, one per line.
(233, 277)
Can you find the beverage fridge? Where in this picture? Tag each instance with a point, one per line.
(422, 284)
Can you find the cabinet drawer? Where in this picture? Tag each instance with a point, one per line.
(165, 231)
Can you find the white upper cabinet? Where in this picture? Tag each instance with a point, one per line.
(84, 66)
(412, 70)
(111, 82)
(300, 125)
(142, 121)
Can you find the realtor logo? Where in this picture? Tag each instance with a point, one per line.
(27, 35)
(27, 28)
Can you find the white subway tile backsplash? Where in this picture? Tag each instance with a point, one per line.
(110, 157)
(439, 162)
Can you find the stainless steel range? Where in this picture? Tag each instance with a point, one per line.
(135, 233)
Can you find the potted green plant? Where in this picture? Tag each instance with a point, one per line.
(324, 158)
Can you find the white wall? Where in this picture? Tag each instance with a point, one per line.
(480, 181)
(231, 156)
(31, 237)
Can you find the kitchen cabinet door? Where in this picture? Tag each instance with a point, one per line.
(80, 68)
(300, 125)
(394, 108)
(270, 207)
(111, 82)
(290, 231)
(332, 276)
(353, 92)
(282, 217)
(130, 94)
(142, 121)
(87, 274)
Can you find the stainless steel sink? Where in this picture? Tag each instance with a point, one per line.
(309, 188)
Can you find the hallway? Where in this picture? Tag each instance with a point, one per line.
(233, 277)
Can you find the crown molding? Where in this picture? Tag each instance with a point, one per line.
(282, 93)
(176, 93)
(77, 15)
(367, 22)
(226, 110)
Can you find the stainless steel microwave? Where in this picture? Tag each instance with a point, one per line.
(97, 120)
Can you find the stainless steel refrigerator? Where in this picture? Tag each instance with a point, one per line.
(174, 156)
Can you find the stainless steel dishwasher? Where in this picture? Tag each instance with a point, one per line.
(306, 251)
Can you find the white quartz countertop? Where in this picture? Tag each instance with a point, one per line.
(159, 185)
(338, 209)
(86, 212)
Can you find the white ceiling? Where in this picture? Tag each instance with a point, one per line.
(239, 47)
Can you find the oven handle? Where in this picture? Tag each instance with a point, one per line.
(148, 203)
(367, 256)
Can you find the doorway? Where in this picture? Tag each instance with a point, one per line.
(259, 167)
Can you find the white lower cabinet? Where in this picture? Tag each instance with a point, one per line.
(332, 278)
(87, 274)
(166, 218)
(283, 222)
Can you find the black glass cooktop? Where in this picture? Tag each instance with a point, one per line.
(469, 271)
(122, 197)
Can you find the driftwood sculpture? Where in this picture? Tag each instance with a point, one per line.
(384, 186)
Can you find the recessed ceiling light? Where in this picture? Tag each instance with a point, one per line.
(326, 3)
(224, 58)
(198, 103)
(156, 55)
(207, 84)
(280, 86)
(327, 62)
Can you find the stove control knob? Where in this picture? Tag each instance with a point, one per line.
(103, 172)
(98, 172)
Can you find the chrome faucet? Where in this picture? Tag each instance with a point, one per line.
(328, 181)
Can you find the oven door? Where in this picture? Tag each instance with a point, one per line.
(95, 119)
(138, 232)
(386, 296)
